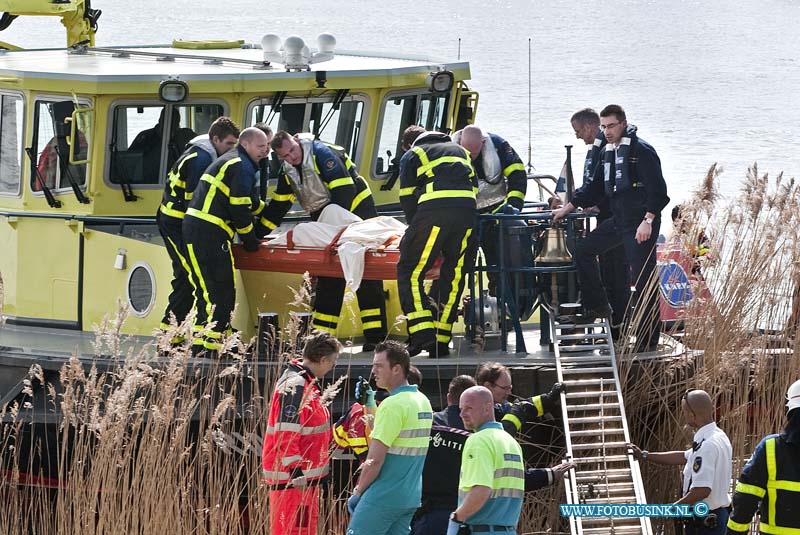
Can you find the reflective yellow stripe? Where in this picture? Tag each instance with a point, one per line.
(199, 274)
(537, 402)
(453, 297)
(404, 192)
(443, 338)
(371, 312)
(359, 198)
(447, 194)
(325, 317)
(282, 197)
(444, 326)
(214, 220)
(420, 327)
(772, 470)
(188, 195)
(777, 530)
(240, 200)
(427, 168)
(784, 484)
(324, 328)
(750, 489)
(168, 210)
(245, 230)
(335, 183)
(736, 526)
(269, 224)
(514, 193)
(420, 314)
(184, 263)
(513, 167)
(259, 208)
(214, 334)
(372, 325)
(417, 273)
(423, 159)
(514, 420)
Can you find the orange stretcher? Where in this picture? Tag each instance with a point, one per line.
(380, 263)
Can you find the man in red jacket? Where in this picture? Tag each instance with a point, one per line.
(297, 439)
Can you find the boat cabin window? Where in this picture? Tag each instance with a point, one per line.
(51, 130)
(12, 112)
(340, 126)
(140, 153)
(399, 112)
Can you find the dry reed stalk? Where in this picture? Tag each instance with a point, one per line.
(741, 341)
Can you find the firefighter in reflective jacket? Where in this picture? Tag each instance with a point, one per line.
(437, 193)
(500, 172)
(297, 440)
(223, 203)
(180, 185)
(772, 477)
(316, 174)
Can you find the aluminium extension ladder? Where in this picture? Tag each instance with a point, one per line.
(596, 429)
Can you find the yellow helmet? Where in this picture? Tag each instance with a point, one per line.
(793, 396)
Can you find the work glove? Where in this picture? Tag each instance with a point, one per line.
(364, 393)
(352, 503)
(251, 245)
(551, 399)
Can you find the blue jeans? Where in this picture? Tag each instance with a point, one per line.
(369, 519)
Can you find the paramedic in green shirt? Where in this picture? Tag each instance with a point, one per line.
(390, 486)
(492, 482)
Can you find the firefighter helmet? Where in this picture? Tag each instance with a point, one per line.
(793, 396)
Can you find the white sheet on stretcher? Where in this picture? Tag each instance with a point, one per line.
(352, 244)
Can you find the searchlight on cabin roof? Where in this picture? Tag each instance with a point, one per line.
(173, 91)
(440, 81)
(293, 52)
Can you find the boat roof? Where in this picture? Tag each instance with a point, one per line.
(155, 63)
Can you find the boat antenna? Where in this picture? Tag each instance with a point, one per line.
(459, 48)
(530, 105)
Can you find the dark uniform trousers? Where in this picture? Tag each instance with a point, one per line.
(371, 300)
(616, 279)
(641, 259)
(181, 298)
(209, 251)
(432, 232)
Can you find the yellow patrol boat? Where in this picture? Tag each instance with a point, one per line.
(87, 135)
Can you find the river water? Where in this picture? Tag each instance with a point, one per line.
(704, 80)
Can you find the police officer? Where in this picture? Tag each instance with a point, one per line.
(180, 185)
(443, 464)
(613, 269)
(630, 176)
(437, 194)
(707, 465)
(221, 206)
(389, 488)
(316, 174)
(492, 482)
(772, 478)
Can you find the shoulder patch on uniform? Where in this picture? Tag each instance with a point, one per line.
(698, 462)
(511, 457)
(330, 164)
(509, 150)
(425, 415)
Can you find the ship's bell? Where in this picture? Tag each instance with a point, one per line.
(554, 248)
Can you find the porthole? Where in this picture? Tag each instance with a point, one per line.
(141, 289)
